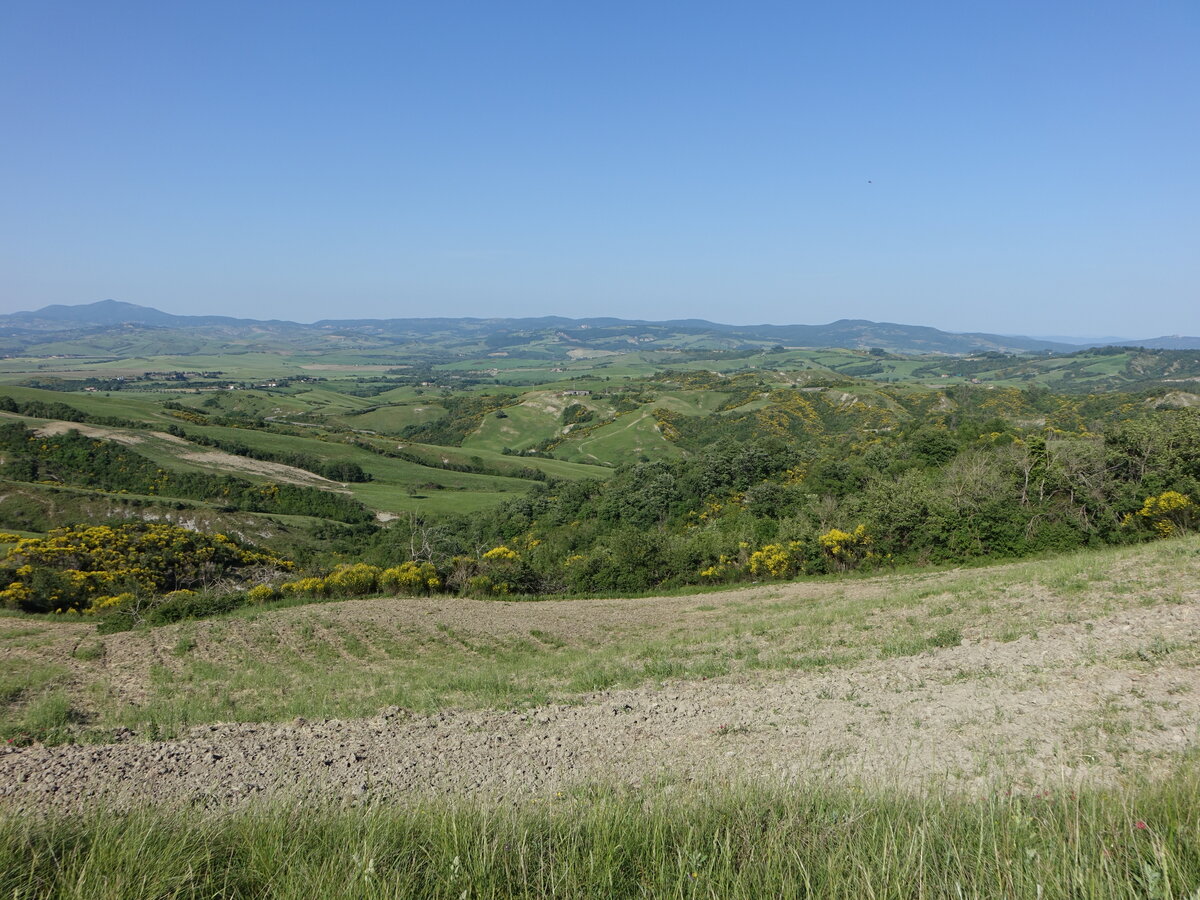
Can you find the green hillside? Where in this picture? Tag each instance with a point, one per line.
(708, 466)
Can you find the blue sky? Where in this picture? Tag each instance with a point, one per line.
(1018, 167)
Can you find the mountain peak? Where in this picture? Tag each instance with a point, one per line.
(102, 312)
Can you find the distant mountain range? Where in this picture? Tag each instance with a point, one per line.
(115, 327)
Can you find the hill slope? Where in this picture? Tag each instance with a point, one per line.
(1077, 668)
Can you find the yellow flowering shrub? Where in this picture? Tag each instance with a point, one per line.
(1167, 514)
(304, 587)
(846, 549)
(486, 585)
(776, 560)
(16, 596)
(353, 580)
(261, 593)
(498, 572)
(721, 569)
(110, 604)
(72, 566)
(502, 553)
(410, 578)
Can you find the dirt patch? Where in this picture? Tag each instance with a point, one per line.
(1106, 685)
(551, 402)
(1176, 399)
(579, 353)
(172, 439)
(1033, 711)
(342, 367)
(226, 462)
(51, 429)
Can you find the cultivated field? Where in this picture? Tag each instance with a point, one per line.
(1037, 674)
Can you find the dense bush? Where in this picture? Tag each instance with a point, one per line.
(40, 409)
(463, 415)
(783, 483)
(74, 567)
(410, 578)
(353, 580)
(961, 486)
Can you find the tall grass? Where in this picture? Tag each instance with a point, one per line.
(748, 842)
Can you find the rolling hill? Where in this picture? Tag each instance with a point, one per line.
(111, 327)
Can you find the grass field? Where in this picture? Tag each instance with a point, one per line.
(523, 426)
(1142, 841)
(627, 439)
(398, 485)
(474, 455)
(394, 418)
(692, 403)
(542, 364)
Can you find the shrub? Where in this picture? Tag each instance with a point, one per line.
(304, 587)
(1167, 514)
(16, 596)
(190, 605)
(353, 580)
(410, 578)
(776, 560)
(846, 549)
(487, 586)
(723, 569)
(125, 611)
(72, 566)
(110, 604)
(261, 593)
(502, 553)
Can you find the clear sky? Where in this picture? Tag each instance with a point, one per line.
(1015, 166)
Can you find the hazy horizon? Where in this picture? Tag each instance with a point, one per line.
(1080, 337)
(1009, 168)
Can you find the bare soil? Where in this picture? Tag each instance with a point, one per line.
(1111, 692)
(93, 431)
(227, 462)
(217, 460)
